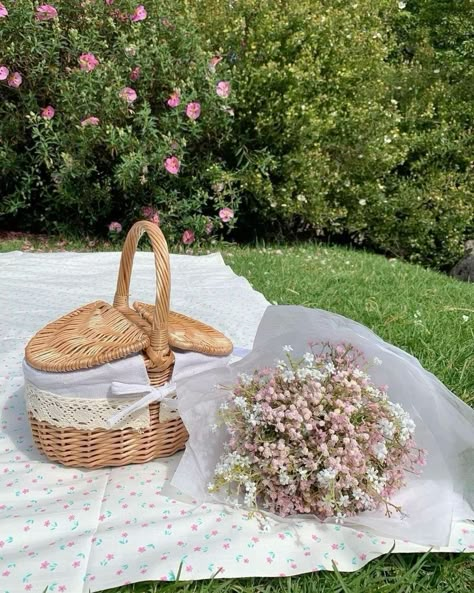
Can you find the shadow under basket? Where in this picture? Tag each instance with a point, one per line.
(99, 333)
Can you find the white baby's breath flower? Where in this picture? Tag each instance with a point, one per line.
(288, 348)
(340, 518)
(326, 476)
(302, 373)
(359, 374)
(377, 361)
(372, 475)
(362, 202)
(344, 500)
(387, 428)
(402, 5)
(308, 358)
(240, 402)
(283, 477)
(465, 318)
(330, 368)
(380, 450)
(245, 379)
(288, 376)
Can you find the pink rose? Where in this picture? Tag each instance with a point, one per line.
(128, 94)
(115, 227)
(213, 62)
(4, 72)
(193, 110)
(151, 214)
(223, 89)
(46, 12)
(225, 214)
(188, 237)
(174, 99)
(88, 62)
(172, 165)
(3, 11)
(15, 80)
(48, 112)
(135, 73)
(90, 121)
(139, 14)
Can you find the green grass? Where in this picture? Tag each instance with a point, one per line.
(426, 314)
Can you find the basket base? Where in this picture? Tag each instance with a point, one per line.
(107, 448)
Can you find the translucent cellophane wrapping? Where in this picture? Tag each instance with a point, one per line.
(444, 424)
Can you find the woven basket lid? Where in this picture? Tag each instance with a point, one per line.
(186, 333)
(89, 336)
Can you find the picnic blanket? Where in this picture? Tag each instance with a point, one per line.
(68, 530)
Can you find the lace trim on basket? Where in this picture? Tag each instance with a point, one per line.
(81, 413)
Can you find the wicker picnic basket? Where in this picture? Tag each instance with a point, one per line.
(99, 333)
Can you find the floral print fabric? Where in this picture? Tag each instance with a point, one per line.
(68, 530)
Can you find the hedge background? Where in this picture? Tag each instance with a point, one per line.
(348, 121)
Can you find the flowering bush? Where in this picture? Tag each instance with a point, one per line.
(107, 108)
(316, 436)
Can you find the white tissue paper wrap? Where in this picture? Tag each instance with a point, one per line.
(444, 424)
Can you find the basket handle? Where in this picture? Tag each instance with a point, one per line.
(159, 351)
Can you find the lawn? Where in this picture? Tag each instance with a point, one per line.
(425, 313)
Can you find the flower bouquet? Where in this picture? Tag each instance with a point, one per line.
(328, 434)
(314, 434)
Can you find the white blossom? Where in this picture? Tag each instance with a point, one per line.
(325, 476)
(245, 380)
(380, 450)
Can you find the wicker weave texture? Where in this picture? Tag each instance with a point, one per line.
(87, 337)
(186, 333)
(101, 448)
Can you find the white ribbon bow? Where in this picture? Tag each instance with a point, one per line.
(150, 394)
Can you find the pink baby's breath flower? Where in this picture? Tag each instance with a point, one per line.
(172, 165)
(300, 446)
(88, 62)
(226, 214)
(128, 94)
(115, 227)
(209, 228)
(3, 11)
(109, 2)
(135, 73)
(139, 14)
(90, 121)
(193, 110)
(188, 237)
(46, 12)
(48, 112)
(4, 72)
(174, 99)
(15, 80)
(223, 89)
